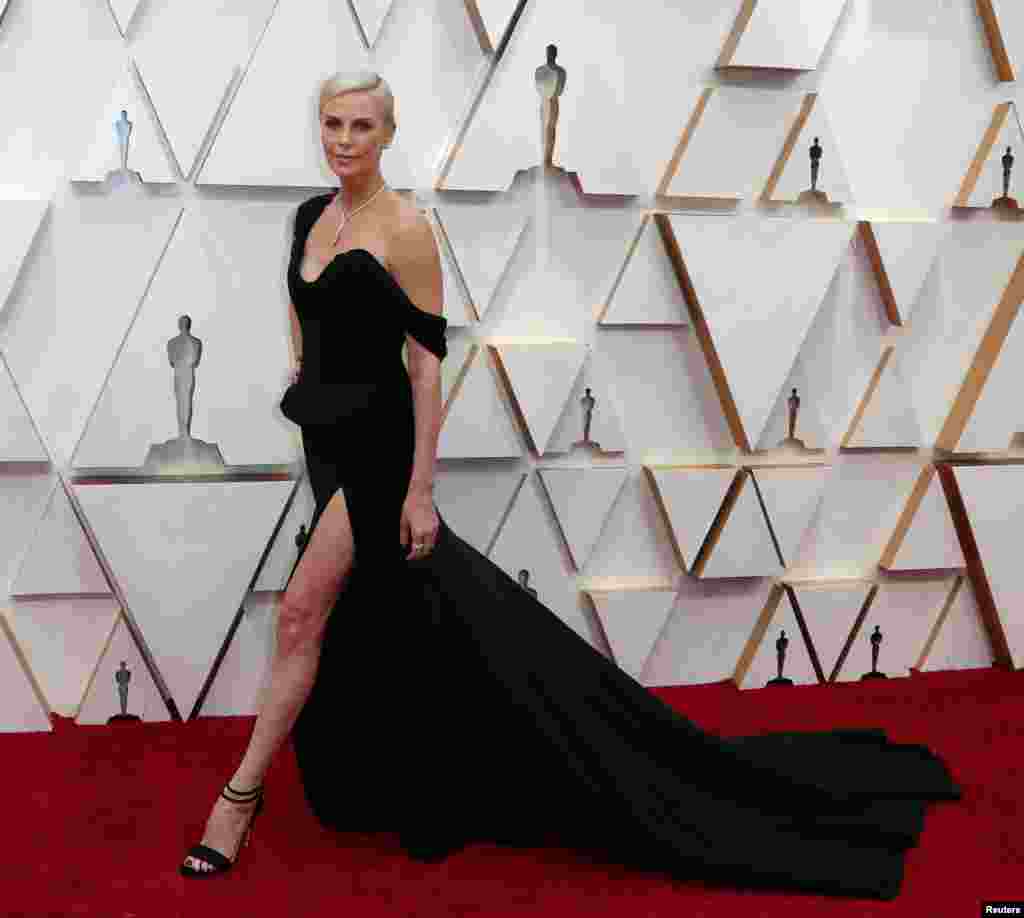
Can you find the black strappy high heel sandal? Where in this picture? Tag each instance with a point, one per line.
(214, 858)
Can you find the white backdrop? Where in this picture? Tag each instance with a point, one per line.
(668, 549)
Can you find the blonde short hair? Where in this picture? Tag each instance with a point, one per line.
(359, 81)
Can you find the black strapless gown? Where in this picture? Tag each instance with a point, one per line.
(451, 706)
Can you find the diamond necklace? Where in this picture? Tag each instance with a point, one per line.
(345, 217)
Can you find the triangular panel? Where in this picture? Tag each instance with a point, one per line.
(121, 664)
(791, 497)
(473, 497)
(60, 560)
(582, 499)
(983, 182)
(744, 546)
(632, 620)
(830, 614)
(758, 284)
(245, 668)
(21, 221)
(605, 429)
(454, 301)
(145, 145)
(184, 555)
(20, 442)
(284, 552)
(477, 423)
(61, 640)
(483, 239)
(1003, 21)
(371, 15)
(648, 292)
(21, 707)
(123, 11)
(930, 541)
(960, 641)
(886, 416)
(539, 373)
(902, 253)
(691, 498)
(777, 627)
(527, 543)
(792, 172)
(781, 34)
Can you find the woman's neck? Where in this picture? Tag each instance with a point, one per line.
(353, 191)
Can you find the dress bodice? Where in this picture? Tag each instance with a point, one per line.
(354, 318)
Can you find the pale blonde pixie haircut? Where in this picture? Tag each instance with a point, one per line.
(359, 81)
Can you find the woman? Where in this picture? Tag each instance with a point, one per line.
(502, 724)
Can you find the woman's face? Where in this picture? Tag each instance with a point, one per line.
(352, 130)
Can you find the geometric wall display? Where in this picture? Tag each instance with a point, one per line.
(830, 612)
(724, 151)
(19, 442)
(504, 135)
(863, 498)
(145, 148)
(21, 221)
(648, 292)
(905, 613)
(59, 559)
(494, 17)
(461, 350)
(123, 11)
(983, 181)
(22, 708)
(106, 251)
(477, 423)
(632, 620)
(885, 416)
(473, 497)
(791, 496)
(998, 414)
(582, 500)
(540, 374)
(836, 361)
(61, 640)
(221, 270)
(690, 499)
(599, 423)
(281, 558)
(483, 240)
(23, 498)
(102, 699)
(752, 322)
(184, 555)
(741, 545)
(902, 253)
(759, 662)
(951, 346)
(1003, 22)
(220, 38)
(781, 34)
(245, 667)
(791, 173)
(924, 538)
(370, 14)
(716, 616)
(996, 514)
(528, 543)
(427, 52)
(455, 305)
(960, 640)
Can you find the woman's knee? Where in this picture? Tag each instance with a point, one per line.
(300, 625)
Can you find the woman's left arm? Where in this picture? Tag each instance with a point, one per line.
(416, 265)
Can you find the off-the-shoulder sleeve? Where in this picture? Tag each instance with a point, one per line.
(428, 329)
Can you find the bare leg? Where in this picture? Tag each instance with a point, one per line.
(302, 618)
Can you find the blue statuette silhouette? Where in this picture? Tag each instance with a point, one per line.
(116, 178)
(122, 677)
(184, 454)
(550, 81)
(876, 643)
(1005, 201)
(780, 658)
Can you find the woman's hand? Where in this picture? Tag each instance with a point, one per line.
(419, 520)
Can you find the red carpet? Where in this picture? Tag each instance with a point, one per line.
(98, 818)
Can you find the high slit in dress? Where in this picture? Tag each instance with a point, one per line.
(451, 706)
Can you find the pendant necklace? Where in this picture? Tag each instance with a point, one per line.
(346, 217)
